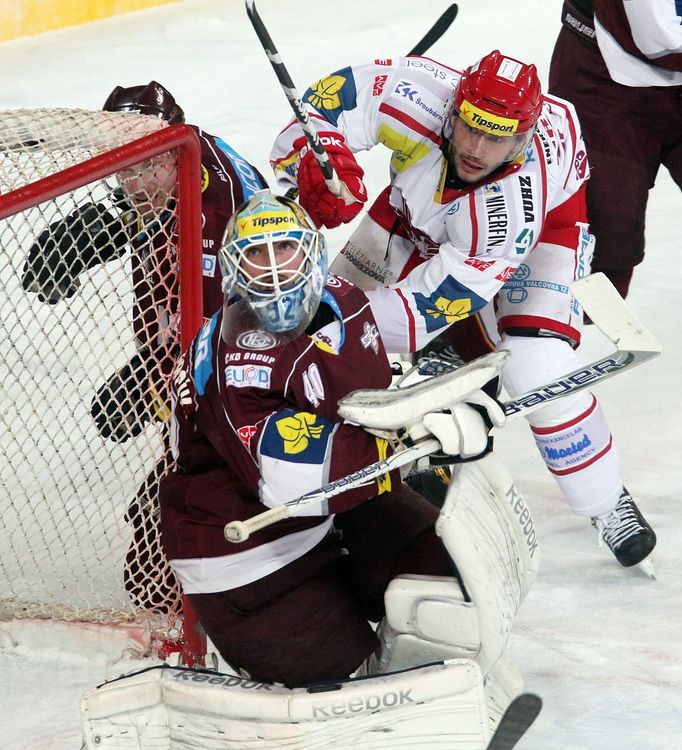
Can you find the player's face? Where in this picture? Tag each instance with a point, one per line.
(150, 185)
(256, 263)
(474, 154)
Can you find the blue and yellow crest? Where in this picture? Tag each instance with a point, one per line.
(297, 436)
(450, 302)
(333, 94)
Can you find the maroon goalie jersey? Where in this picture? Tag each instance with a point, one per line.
(255, 425)
(227, 181)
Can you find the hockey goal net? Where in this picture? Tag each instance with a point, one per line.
(100, 249)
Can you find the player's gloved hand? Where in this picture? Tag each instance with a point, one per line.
(463, 430)
(325, 208)
(121, 405)
(88, 236)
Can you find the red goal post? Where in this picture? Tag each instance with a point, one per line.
(78, 511)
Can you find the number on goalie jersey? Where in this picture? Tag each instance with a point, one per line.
(486, 202)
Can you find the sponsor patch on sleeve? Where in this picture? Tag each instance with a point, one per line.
(333, 95)
(450, 302)
(297, 436)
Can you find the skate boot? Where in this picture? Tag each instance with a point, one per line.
(625, 531)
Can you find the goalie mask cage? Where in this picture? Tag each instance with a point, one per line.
(79, 536)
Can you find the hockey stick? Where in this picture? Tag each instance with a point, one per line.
(612, 316)
(515, 721)
(336, 187)
(436, 31)
(608, 311)
(239, 531)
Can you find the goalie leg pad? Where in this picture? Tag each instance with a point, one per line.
(487, 529)
(168, 708)
(427, 619)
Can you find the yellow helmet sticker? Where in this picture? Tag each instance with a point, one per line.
(478, 118)
(266, 221)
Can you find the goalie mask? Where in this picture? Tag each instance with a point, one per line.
(494, 110)
(274, 259)
(153, 99)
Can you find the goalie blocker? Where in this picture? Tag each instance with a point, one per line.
(403, 699)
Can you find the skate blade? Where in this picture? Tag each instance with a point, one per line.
(647, 567)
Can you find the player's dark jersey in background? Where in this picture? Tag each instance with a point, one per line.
(227, 181)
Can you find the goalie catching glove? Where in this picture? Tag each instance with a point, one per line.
(88, 236)
(124, 403)
(459, 408)
(325, 208)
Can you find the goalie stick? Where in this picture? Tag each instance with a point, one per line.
(608, 311)
(515, 721)
(240, 531)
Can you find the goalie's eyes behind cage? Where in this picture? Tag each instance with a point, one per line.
(269, 266)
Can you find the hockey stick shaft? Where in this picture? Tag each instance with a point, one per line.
(436, 31)
(611, 315)
(330, 177)
(515, 721)
(336, 187)
(239, 531)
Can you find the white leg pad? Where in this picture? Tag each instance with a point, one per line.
(426, 620)
(487, 528)
(171, 709)
(502, 684)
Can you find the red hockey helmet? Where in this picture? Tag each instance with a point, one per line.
(499, 95)
(152, 99)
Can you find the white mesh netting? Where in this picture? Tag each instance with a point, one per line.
(88, 307)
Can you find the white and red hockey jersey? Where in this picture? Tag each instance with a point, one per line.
(465, 241)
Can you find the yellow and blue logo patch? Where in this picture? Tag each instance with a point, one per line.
(297, 436)
(334, 94)
(450, 302)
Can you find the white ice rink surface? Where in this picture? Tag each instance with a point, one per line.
(601, 645)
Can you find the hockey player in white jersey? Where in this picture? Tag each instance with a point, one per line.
(486, 203)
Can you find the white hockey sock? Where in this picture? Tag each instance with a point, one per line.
(582, 458)
(572, 434)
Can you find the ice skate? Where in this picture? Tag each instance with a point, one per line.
(627, 534)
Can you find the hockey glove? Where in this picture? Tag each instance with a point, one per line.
(325, 208)
(463, 430)
(88, 236)
(121, 406)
